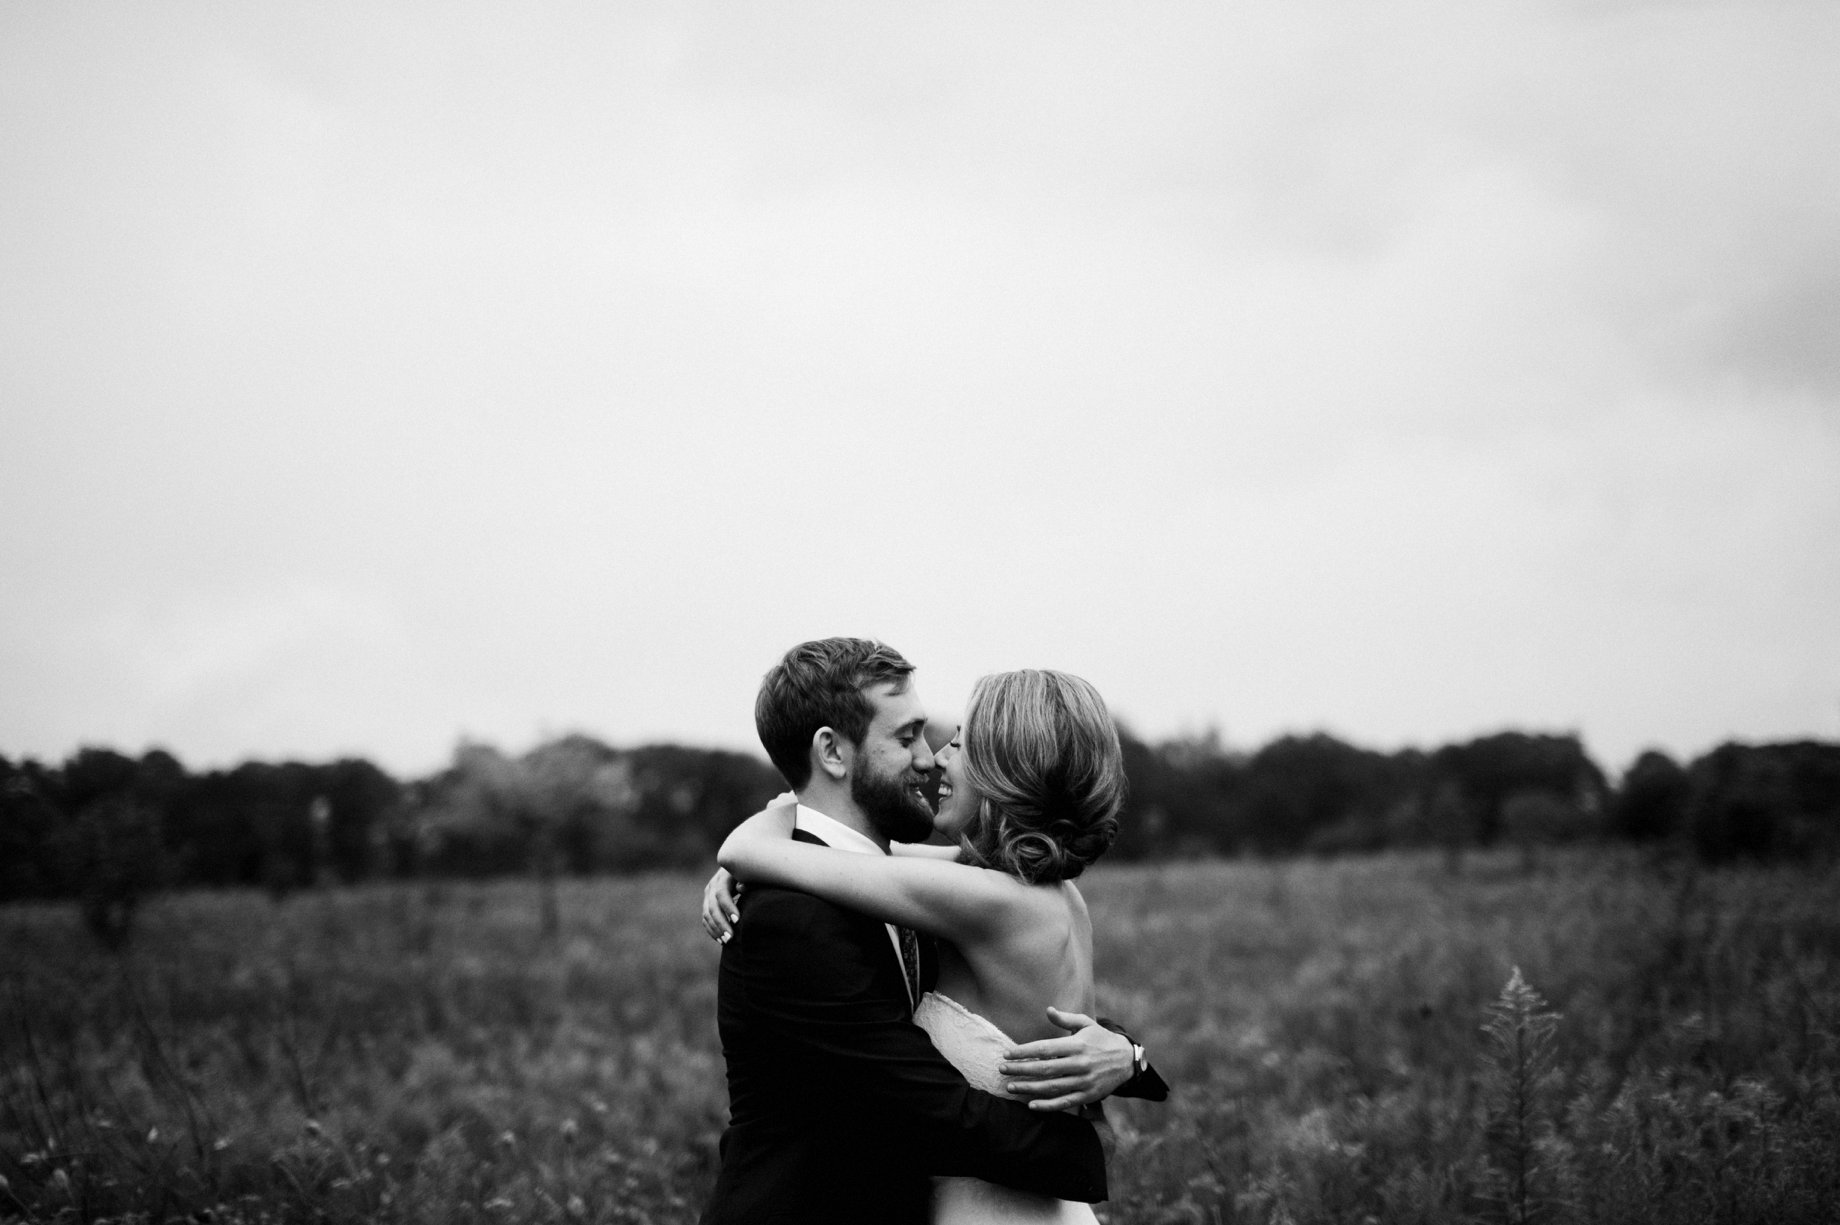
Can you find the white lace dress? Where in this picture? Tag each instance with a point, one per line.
(975, 1047)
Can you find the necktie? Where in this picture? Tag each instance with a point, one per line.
(910, 962)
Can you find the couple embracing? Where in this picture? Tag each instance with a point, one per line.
(908, 1028)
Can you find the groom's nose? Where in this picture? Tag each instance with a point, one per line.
(923, 755)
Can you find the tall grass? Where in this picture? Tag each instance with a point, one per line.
(379, 1054)
(1322, 1022)
(421, 1054)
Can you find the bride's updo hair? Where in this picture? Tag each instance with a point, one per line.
(1042, 753)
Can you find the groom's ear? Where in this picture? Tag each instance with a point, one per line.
(831, 753)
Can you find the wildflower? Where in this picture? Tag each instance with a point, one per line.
(569, 1130)
(313, 1128)
(1518, 1077)
(577, 1208)
(220, 1144)
(153, 1135)
(60, 1180)
(499, 1204)
(508, 1138)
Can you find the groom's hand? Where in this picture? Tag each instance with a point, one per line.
(1067, 1073)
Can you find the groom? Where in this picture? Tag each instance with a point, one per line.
(840, 1108)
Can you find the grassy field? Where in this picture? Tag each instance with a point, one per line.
(418, 1054)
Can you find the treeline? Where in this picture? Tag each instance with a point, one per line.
(571, 806)
(1318, 794)
(103, 826)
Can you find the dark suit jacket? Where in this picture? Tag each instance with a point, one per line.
(839, 1106)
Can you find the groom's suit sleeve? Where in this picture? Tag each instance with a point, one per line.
(1147, 1084)
(816, 990)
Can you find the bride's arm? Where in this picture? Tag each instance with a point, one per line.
(722, 895)
(924, 850)
(951, 900)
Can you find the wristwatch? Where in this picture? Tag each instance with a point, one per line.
(1145, 1082)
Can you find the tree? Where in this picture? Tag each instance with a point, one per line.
(29, 823)
(275, 802)
(1765, 800)
(114, 852)
(1534, 817)
(211, 826)
(687, 799)
(1738, 799)
(574, 797)
(360, 802)
(1651, 803)
(568, 803)
(92, 773)
(1490, 769)
(1298, 786)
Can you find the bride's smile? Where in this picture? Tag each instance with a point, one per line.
(958, 801)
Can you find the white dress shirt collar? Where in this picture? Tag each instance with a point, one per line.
(843, 838)
(834, 832)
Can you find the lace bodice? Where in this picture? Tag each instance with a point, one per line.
(973, 1045)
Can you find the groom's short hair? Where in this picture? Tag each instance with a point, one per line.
(820, 684)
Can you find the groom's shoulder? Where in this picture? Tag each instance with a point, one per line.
(782, 904)
(772, 908)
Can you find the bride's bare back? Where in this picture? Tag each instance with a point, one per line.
(1040, 954)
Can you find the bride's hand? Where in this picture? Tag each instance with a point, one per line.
(721, 906)
(1067, 1073)
(722, 895)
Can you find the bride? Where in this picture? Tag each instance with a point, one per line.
(1031, 788)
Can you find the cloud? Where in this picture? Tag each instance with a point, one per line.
(295, 665)
(1409, 370)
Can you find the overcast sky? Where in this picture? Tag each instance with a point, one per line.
(374, 375)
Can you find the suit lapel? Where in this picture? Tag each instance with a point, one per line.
(929, 968)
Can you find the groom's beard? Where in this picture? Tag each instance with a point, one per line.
(891, 805)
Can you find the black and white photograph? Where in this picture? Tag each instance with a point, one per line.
(804, 613)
